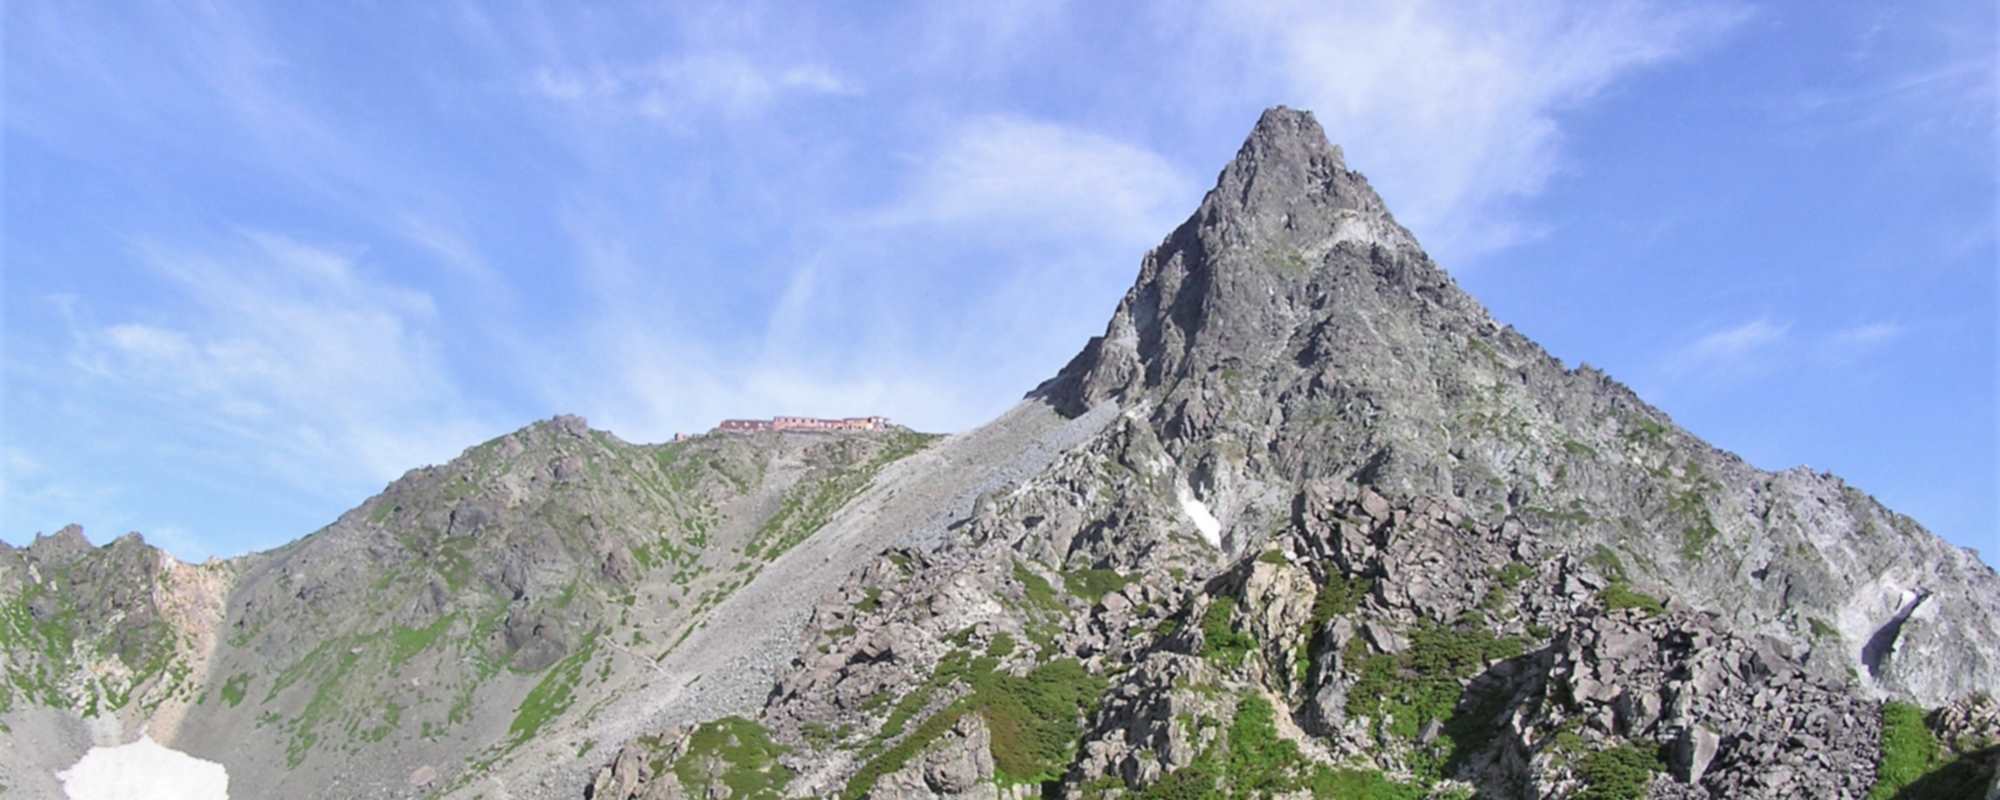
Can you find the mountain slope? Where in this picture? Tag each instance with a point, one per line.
(1304, 522)
(468, 612)
(1293, 320)
(1347, 537)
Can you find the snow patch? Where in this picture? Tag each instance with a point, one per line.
(1197, 512)
(143, 770)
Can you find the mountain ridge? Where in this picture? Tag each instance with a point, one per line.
(1348, 536)
(1155, 343)
(1305, 517)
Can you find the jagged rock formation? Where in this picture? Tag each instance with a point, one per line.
(1349, 537)
(1305, 522)
(1291, 330)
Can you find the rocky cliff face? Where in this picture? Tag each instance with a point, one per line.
(1346, 536)
(1291, 330)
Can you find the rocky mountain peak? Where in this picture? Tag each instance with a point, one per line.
(1282, 128)
(1286, 163)
(1233, 283)
(1290, 330)
(63, 545)
(570, 424)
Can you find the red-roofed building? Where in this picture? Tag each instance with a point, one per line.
(804, 424)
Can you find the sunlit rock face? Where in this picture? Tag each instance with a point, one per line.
(144, 770)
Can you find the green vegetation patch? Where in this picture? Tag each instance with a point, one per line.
(1339, 596)
(893, 758)
(233, 689)
(1505, 580)
(807, 507)
(553, 695)
(1619, 595)
(51, 637)
(1908, 750)
(820, 736)
(1619, 773)
(1034, 719)
(1361, 784)
(1644, 431)
(406, 643)
(1606, 562)
(735, 753)
(1402, 692)
(1691, 505)
(1260, 763)
(329, 666)
(1037, 589)
(1253, 761)
(1220, 641)
(1094, 584)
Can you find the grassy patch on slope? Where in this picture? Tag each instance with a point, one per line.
(406, 643)
(553, 695)
(1094, 584)
(1619, 773)
(735, 753)
(1916, 766)
(1620, 595)
(1033, 719)
(808, 507)
(1220, 640)
(1402, 692)
(1253, 761)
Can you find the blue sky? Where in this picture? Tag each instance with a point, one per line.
(261, 259)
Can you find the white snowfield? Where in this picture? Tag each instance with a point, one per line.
(143, 770)
(1197, 512)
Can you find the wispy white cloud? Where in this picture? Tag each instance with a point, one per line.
(291, 351)
(816, 78)
(1008, 175)
(680, 89)
(31, 485)
(15, 466)
(852, 321)
(455, 251)
(1849, 346)
(1940, 100)
(1452, 108)
(1758, 347)
(1728, 351)
(1867, 334)
(1924, 71)
(981, 38)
